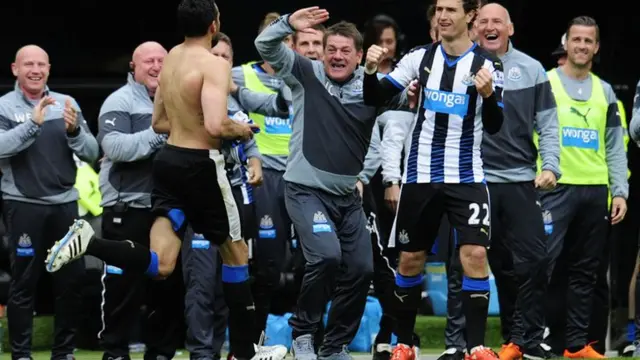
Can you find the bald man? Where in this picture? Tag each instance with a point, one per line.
(518, 255)
(129, 144)
(40, 131)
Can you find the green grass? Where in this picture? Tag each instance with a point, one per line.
(430, 329)
(95, 355)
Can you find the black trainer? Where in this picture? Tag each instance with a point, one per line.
(452, 354)
(541, 352)
(382, 351)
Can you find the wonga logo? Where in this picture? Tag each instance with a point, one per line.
(275, 125)
(581, 138)
(446, 102)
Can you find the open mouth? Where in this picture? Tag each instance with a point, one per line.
(34, 78)
(338, 66)
(491, 37)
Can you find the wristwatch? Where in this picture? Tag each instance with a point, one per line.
(390, 183)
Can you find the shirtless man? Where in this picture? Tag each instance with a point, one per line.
(191, 103)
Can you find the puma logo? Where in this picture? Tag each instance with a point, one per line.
(400, 297)
(583, 116)
(111, 122)
(484, 296)
(131, 243)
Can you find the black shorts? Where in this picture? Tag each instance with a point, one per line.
(191, 186)
(420, 211)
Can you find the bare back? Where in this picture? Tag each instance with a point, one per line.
(183, 75)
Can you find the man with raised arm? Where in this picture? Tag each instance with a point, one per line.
(331, 132)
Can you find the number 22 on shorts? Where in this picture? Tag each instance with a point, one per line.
(474, 219)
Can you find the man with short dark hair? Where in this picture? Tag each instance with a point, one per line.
(321, 176)
(578, 212)
(190, 183)
(310, 43)
(461, 97)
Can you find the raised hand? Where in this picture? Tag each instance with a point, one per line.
(375, 54)
(40, 109)
(308, 18)
(70, 116)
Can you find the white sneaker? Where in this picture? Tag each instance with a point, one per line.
(276, 352)
(71, 247)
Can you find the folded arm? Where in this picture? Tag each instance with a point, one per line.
(119, 143)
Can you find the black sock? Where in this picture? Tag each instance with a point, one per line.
(127, 255)
(405, 304)
(475, 306)
(242, 314)
(386, 328)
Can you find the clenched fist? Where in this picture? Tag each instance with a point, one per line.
(375, 54)
(484, 82)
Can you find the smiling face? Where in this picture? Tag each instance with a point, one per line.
(31, 69)
(147, 64)
(341, 57)
(581, 45)
(494, 28)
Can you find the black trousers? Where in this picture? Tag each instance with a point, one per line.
(271, 231)
(125, 294)
(577, 220)
(385, 261)
(31, 230)
(206, 312)
(518, 259)
(600, 308)
(337, 249)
